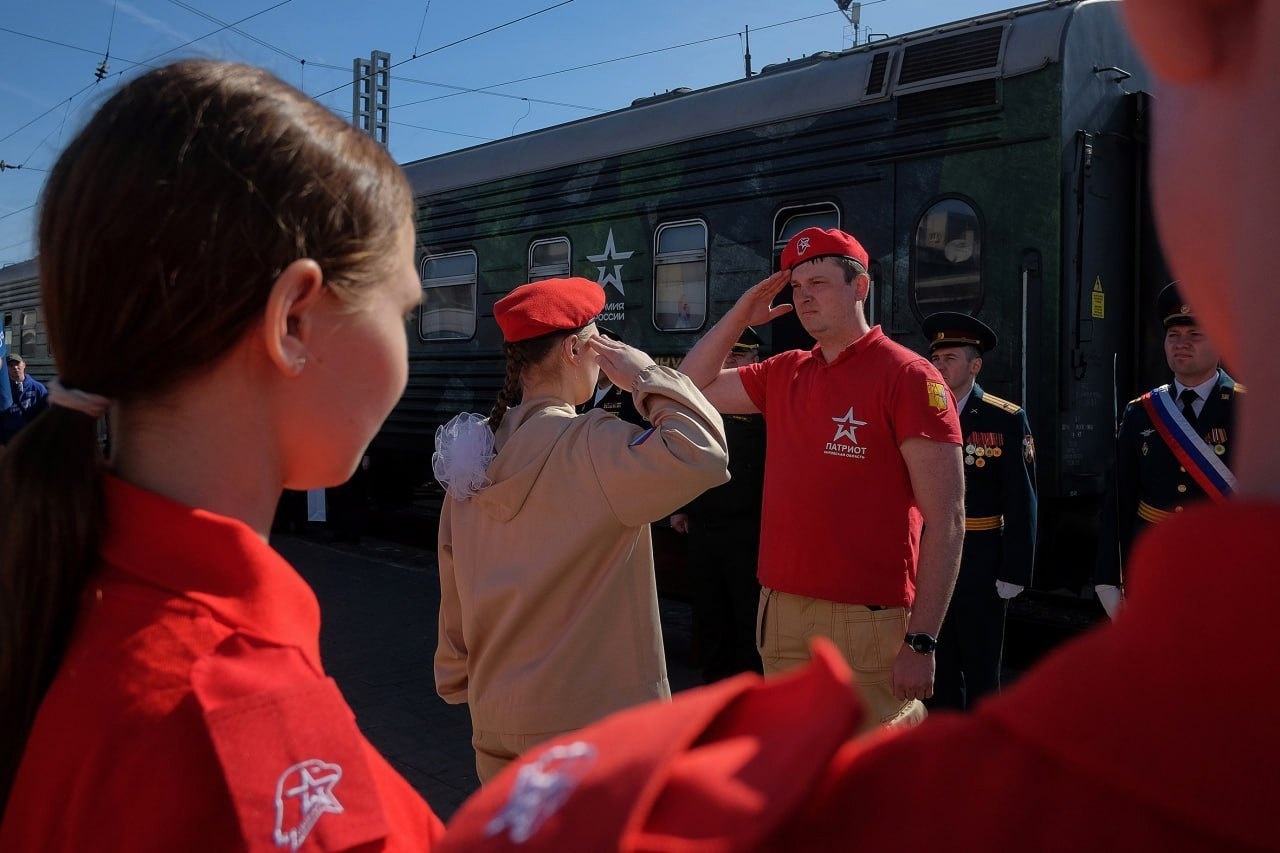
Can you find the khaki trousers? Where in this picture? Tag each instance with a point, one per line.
(868, 639)
(495, 750)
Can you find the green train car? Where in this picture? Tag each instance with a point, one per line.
(995, 166)
(23, 318)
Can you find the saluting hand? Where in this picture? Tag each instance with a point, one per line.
(619, 362)
(757, 303)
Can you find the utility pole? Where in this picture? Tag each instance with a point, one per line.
(371, 95)
(852, 11)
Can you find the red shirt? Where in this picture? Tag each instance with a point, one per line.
(191, 711)
(840, 518)
(1113, 743)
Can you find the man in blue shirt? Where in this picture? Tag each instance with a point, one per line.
(29, 398)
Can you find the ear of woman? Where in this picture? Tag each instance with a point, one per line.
(288, 321)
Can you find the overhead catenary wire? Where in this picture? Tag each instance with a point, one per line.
(418, 43)
(598, 63)
(456, 42)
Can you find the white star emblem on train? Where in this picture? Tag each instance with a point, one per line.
(610, 254)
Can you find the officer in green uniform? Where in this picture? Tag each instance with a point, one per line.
(1000, 514)
(1166, 462)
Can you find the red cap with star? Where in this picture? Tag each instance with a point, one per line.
(551, 305)
(814, 243)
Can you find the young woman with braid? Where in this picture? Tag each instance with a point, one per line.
(549, 614)
(220, 259)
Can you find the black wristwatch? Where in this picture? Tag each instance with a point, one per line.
(921, 643)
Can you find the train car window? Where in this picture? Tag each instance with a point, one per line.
(29, 343)
(680, 276)
(790, 221)
(549, 259)
(946, 259)
(449, 303)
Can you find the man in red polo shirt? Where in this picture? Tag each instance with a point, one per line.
(863, 450)
(1121, 740)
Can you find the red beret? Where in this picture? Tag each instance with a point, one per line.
(815, 243)
(551, 305)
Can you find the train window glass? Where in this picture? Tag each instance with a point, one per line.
(790, 221)
(680, 276)
(549, 259)
(449, 301)
(29, 340)
(946, 259)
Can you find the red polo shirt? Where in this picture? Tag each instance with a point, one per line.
(840, 518)
(191, 711)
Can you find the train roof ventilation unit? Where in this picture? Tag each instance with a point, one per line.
(945, 99)
(878, 76)
(976, 53)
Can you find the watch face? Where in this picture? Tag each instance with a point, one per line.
(921, 643)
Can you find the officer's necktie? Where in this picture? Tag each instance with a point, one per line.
(1188, 398)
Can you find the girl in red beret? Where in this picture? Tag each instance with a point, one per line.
(549, 613)
(221, 259)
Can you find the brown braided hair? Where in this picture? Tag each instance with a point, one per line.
(520, 356)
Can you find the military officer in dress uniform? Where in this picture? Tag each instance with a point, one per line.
(1000, 514)
(610, 397)
(1173, 446)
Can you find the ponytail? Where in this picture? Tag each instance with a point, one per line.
(51, 491)
(510, 392)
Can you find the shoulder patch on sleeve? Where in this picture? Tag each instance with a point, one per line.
(291, 755)
(1002, 404)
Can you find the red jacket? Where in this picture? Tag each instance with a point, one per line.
(191, 711)
(1160, 732)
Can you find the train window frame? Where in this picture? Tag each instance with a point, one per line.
(545, 271)
(682, 257)
(449, 281)
(810, 209)
(974, 304)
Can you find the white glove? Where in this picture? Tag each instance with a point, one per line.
(1111, 598)
(1008, 590)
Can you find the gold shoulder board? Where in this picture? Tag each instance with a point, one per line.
(1003, 404)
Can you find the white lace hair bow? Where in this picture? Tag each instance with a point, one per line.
(464, 449)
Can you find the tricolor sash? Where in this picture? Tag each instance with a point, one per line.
(1190, 449)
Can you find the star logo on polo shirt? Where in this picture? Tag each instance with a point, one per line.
(304, 794)
(847, 426)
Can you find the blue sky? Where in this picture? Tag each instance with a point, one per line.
(48, 90)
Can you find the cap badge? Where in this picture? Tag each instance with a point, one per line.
(541, 788)
(802, 245)
(1185, 309)
(939, 336)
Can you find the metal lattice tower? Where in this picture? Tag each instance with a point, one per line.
(371, 95)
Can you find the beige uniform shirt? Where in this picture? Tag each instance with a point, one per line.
(549, 611)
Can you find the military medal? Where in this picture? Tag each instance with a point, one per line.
(980, 452)
(968, 460)
(995, 451)
(979, 462)
(1219, 449)
(969, 448)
